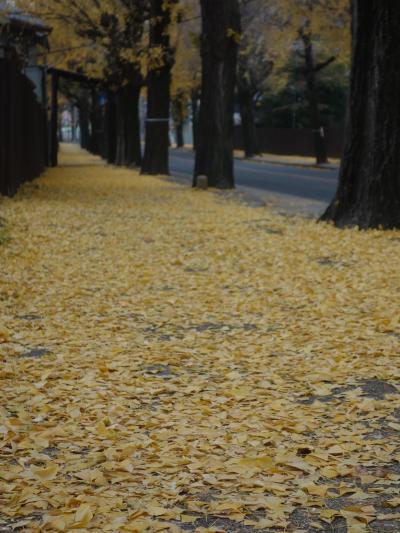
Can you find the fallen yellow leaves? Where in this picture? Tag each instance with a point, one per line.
(176, 360)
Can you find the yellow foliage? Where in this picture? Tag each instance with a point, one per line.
(80, 40)
(186, 72)
(326, 21)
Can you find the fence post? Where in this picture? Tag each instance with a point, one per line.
(22, 132)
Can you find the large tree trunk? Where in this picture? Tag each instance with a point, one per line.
(219, 47)
(309, 72)
(368, 195)
(155, 159)
(249, 132)
(128, 149)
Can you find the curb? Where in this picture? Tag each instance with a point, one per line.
(325, 166)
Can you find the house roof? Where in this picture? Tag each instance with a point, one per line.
(12, 17)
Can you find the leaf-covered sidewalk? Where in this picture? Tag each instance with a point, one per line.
(173, 359)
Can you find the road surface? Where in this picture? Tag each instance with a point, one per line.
(302, 182)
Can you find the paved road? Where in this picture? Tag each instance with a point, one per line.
(306, 183)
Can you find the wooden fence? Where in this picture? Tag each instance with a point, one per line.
(286, 141)
(23, 130)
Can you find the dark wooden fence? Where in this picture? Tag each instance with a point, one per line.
(286, 141)
(23, 130)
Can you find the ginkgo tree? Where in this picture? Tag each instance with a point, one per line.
(258, 51)
(130, 45)
(368, 195)
(319, 32)
(161, 60)
(219, 49)
(106, 40)
(186, 72)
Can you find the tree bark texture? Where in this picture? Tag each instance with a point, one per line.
(219, 50)
(155, 159)
(246, 105)
(368, 194)
(309, 72)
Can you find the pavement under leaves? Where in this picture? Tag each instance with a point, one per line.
(173, 359)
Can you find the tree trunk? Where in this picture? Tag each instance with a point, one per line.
(195, 117)
(180, 142)
(249, 132)
(133, 154)
(103, 133)
(120, 109)
(178, 115)
(54, 120)
(368, 195)
(310, 69)
(219, 48)
(128, 150)
(60, 132)
(110, 129)
(84, 125)
(95, 121)
(73, 124)
(158, 93)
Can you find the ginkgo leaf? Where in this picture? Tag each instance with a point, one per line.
(56, 523)
(45, 473)
(4, 334)
(83, 516)
(156, 510)
(394, 502)
(258, 462)
(188, 519)
(312, 488)
(104, 431)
